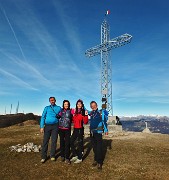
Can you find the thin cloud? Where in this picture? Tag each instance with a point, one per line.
(17, 80)
(44, 42)
(14, 34)
(120, 99)
(37, 34)
(69, 27)
(30, 69)
(2, 93)
(33, 71)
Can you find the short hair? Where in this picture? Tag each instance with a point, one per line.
(93, 102)
(52, 98)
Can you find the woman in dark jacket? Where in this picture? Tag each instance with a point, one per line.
(65, 121)
(80, 117)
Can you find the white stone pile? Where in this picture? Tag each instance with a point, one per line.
(28, 147)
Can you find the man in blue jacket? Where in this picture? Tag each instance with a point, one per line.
(49, 126)
(98, 125)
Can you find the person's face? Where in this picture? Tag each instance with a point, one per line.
(66, 105)
(79, 105)
(52, 101)
(93, 106)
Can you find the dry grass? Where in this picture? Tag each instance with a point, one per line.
(137, 156)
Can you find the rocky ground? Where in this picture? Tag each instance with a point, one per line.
(128, 155)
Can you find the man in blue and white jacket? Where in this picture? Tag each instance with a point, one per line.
(98, 126)
(49, 126)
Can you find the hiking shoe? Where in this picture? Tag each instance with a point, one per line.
(43, 160)
(78, 161)
(99, 166)
(52, 159)
(74, 158)
(67, 161)
(62, 159)
(94, 163)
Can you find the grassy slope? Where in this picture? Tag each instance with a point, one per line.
(136, 157)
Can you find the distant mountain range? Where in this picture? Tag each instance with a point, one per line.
(156, 124)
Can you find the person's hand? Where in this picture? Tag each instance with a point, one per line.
(106, 133)
(42, 130)
(86, 113)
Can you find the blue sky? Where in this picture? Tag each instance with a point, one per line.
(54, 35)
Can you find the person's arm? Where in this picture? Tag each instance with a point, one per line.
(42, 122)
(89, 112)
(72, 111)
(105, 127)
(58, 116)
(85, 119)
(60, 110)
(104, 121)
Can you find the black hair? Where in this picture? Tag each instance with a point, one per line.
(67, 102)
(82, 109)
(51, 98)
(93, 102)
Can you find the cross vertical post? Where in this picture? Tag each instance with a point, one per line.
(106, 65)
(106, 69)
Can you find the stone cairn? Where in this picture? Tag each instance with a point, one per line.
(28, 147)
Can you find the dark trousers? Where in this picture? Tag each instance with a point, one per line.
(65, 142)
(77, 136)
(96, 140)
(49, 131)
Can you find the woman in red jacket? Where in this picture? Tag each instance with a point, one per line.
(80, 117)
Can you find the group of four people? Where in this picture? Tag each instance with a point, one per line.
(56, 120)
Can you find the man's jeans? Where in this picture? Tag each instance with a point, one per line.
(50, 130)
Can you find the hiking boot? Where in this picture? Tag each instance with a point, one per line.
(43, 160)
(62, 159)
(78, 161)
(52, 159)
(74, 158)
(99, 166)
(94, 163)
(67, 161)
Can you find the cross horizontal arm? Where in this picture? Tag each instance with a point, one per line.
(107, 46)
